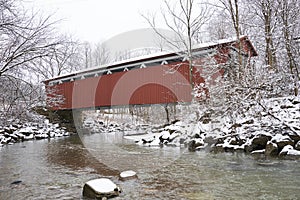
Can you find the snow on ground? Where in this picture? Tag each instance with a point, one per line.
(265, 128)
(18, 131)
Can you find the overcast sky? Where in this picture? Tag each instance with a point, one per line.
(97, 20)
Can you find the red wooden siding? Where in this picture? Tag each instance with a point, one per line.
(149, 93)
(152, 85)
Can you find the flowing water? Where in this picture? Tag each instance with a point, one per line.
(58, 169)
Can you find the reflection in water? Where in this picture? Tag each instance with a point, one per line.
(58, 168)
(121, 154)
(71, 153)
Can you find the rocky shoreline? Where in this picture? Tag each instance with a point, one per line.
(275, 131)
(262, 144)
(19, 132)
(268, 130)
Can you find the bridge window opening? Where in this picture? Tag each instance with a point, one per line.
(89, 75)
(64, 81)
(77, 78)
(117, 70)
(133, 67)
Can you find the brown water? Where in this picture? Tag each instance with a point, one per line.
(58, 169)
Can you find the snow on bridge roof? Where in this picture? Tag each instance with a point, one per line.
(151, 58)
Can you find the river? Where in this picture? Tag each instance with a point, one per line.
(58, 169)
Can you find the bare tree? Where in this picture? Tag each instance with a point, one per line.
(65, 57)
(127, 54)
(185, 18)
(16, 95)
(100, 54)
(87, 54)
(26, 41)
(233, 7)
(264, 22)
(220, 26)
(290, 19)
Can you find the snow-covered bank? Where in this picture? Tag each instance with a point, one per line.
(269, 128)
(18, 132)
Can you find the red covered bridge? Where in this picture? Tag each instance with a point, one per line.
(156, 79)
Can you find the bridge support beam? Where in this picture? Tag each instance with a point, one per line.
(70, 119)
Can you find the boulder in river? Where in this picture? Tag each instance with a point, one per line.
(289, 151)
(100, 189)
(259, 142)
(195, 144)
(295, 137)
(297, 146)
(127, 175)
(282, 140)
(271, 149)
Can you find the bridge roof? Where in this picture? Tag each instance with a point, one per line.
(142, 61)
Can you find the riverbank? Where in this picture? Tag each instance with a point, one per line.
(268, 128)
(35, 129)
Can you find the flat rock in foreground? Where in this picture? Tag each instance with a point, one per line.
(100, 188)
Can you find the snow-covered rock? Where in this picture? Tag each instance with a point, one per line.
(271, 149)
(30, 131)
(258, 152)
(14, 136)
(165, 135)
(178, 127)
(66, 134)
(6, 140)
(282, 140)
(259, 142)
(29, 137)
(297, 146)
(196, 144)
(261, 139)
(27, 131)
(41, 136)
(288, 150)
(126, 175)
(155, 142)
(293, 152)
(99, 188)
